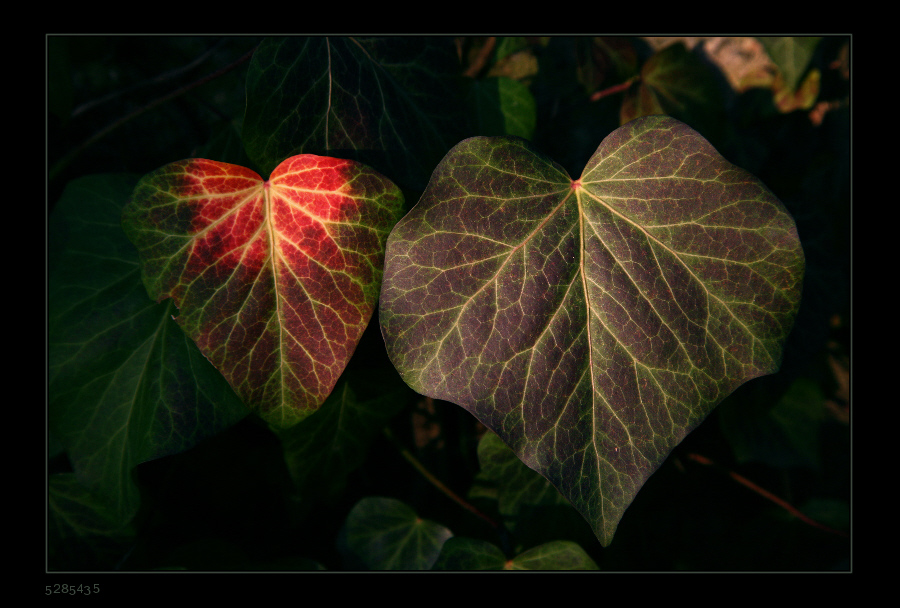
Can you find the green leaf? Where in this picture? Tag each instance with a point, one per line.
(386, 534)
(519, 487)
(786, 435)
(502, 106)
(591, 323)
(792, 55)
(460, 553)
(83, 532)
(470, 554)
(125, 384)
(679, 83)
(391, 103)
(321, 450)
(275, 280)
(556, 555)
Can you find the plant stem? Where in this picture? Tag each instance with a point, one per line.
(481, 59)
(613, 89)
(768, 495)
(65, 160)
(434, 480)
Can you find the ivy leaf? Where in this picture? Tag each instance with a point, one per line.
(386, 534)
(125, 385)
(501, 106)
(792, 55)
(391, 103)
(677, 82)
(82, 532)
(591, 323)
(518, 486)
(321, 450)
(275, 280)
(460, 553)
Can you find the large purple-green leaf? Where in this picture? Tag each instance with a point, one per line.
(591, 323)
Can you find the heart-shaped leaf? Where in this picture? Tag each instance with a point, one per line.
(591, 323)
(386, 534)
(275, 280)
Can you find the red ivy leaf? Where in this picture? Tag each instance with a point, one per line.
(274, 280)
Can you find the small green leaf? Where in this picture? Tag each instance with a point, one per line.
(502, 106)
(677, 82)
(591, 323)
(519, 487)
(471, 554)
(792, 55)
(556, 555)
(386, 534)
(460, 553)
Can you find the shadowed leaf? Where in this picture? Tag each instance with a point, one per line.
(125, 384)
(387, 102)
(386, 534)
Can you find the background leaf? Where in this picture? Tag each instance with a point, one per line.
(470, 554)
(125, 384)
(83, 532)
(391, 103)
(532, 509)
(591, 324)
(681, 84)
(460, 553)
(275, 281)
(386, 534)
(321, 450)
(792, 55)
(501, 106)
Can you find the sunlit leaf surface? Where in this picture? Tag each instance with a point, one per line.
(591, 323)
(274, 280)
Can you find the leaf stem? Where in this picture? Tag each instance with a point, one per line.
(434, 480)
(613, 89)
(768, 495)
(68, 158)
(481, 58)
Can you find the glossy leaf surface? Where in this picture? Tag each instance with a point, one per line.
(591, 323)
(274, 280)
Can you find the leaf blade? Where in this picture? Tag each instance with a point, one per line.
(275, 280)
(563, 322)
